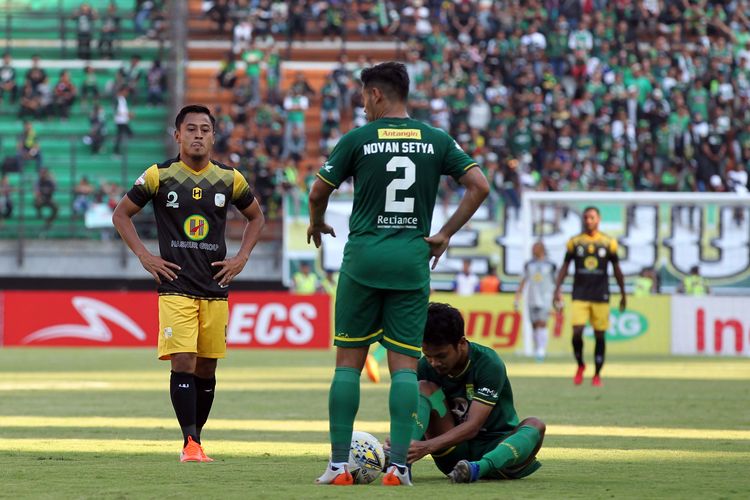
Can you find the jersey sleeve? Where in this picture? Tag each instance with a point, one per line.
(145, 187)
(339, 165)
(242, 196)
(489, 381)
(456, 162)
(613, 251)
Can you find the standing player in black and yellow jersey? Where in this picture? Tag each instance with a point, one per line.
(191, 196)
(592, 252)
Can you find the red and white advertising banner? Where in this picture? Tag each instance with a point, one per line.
(274, 320)
(714, 326)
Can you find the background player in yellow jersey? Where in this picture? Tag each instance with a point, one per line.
(592, 252)
(191, 196)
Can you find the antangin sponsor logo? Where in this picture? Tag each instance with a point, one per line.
(408, 133)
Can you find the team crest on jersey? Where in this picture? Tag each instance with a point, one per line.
(197, 193)
(579, 251)
(602, 252)
(220, 200)
(196, 227)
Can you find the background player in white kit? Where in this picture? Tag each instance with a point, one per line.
(539, 273)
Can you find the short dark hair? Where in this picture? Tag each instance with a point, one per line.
(390, 77)
(592, 208)
(193, 108)
(444, 325)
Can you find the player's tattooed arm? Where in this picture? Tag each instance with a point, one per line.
(231, 267)
(320, 192)
(155, 265)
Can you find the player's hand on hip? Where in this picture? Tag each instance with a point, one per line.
(438, 245)
(229, 269)
(159, 268)
(417, 450)
(623, 302)
(316, 232)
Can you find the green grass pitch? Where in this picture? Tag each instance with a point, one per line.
(97, 423)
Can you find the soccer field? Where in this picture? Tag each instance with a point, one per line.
(97, 423)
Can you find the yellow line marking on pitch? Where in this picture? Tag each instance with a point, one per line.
(378, 426)
(296, 448)
(732, 370)
(677, 370)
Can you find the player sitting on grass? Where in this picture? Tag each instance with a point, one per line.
(466, 419)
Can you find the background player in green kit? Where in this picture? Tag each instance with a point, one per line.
(466, 419)
(383, 288)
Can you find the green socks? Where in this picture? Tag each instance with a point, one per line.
(426, 404)
(343, 403)
(512, 451)
(403, 404)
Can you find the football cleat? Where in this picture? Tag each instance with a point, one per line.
(192, 452)
(397, 475)
(596, 381)
(578, 379)
(372, 367)
(205, 458)
(337, 476)
(464, 472)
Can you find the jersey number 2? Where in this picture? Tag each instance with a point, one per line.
(402, 184)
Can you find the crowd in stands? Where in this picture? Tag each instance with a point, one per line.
(33, 96)
(104, 29)
(626, 95)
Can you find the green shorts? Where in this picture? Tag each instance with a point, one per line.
(473, 450)
(395, 318)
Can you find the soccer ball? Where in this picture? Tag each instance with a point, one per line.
(366, 457)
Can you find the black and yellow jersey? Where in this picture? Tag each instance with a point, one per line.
(591, 255)
(191, 213)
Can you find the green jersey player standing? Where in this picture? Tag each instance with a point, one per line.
(384, 285)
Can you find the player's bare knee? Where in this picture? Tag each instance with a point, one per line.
(183, 362)
(205, 367)
(428, 388)
(536, 423)
(599, 335)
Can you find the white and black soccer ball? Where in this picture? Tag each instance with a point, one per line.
(366, 457)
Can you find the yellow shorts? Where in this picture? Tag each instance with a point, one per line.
(192, 325)
(596, 313)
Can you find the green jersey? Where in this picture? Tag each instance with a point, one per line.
(483, 380)
(396, 164)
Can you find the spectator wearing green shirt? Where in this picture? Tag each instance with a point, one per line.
(295, 106)
(253, 58)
